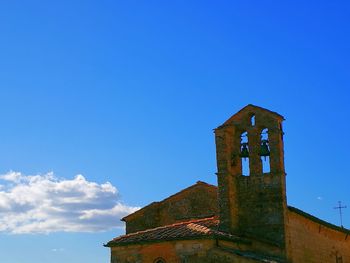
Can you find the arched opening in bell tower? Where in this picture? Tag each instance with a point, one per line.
(252, 120)
(244, 154)
(265, 150)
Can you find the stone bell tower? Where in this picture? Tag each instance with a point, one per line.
(251, 176)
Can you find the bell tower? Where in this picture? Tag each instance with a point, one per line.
(251, 175)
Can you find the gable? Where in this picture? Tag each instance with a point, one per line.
(195, 202)
(243, 116)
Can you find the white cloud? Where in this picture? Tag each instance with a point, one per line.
(57, 249)
(45, 203)
(320, 198)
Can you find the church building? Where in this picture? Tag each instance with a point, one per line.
(244, 219)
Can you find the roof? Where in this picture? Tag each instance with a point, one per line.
(193, 229)
(198, 183)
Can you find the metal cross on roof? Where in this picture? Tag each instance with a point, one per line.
(340, 207)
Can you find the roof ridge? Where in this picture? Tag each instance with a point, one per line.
(187, 188)
(198, 228)
(166, 226)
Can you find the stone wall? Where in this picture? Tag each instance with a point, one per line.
(181, 251)
(261, 211)
(252, 203)
(171, 251)
(196, 201)
(313, 242)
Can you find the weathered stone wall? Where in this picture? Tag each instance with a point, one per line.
(171, 251)
(261, 211)
(181, 251)
(197, 201)
(255, 204)
(147, 217)
(312, 242)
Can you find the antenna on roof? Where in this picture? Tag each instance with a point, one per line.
(340, 207)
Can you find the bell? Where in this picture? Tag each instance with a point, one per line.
(264, 149)
(244, 150)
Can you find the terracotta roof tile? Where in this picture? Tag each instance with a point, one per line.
(199, 228)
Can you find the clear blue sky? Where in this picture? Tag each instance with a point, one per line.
(128, 92)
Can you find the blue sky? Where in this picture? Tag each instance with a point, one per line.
(128, 92)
